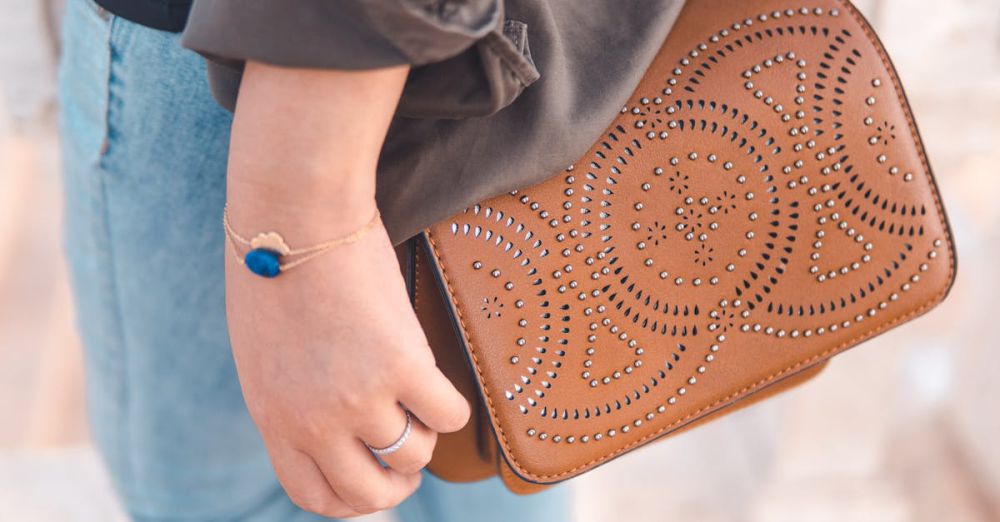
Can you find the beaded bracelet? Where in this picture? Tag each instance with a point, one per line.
(268, 250)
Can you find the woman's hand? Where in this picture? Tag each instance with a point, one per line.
(330, 353)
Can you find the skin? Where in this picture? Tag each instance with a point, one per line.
(328, 353)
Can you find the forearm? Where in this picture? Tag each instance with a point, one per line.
(304, 149)
(331, 357)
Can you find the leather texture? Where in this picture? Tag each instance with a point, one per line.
(472, 453)
(762, 203)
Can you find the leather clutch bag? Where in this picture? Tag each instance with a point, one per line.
(762, 203)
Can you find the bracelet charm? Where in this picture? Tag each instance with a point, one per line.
(267, 250)
(264, 257)
(263, 262)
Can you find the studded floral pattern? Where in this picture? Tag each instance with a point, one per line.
(760, 204)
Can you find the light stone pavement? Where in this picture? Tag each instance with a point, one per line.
(902, 429)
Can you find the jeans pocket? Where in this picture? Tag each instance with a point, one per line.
(83, 74)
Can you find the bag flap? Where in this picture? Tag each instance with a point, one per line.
(762, 203)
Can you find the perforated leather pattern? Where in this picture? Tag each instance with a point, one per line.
(762, 203)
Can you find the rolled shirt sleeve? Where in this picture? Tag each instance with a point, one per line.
(482, 112)
(468, 60)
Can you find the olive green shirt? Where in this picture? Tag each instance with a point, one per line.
(502, 94)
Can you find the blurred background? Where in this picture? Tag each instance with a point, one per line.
(904, 429)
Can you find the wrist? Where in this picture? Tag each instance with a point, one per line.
(304, 150)
(302, 214)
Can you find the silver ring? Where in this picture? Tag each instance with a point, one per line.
(394, 447)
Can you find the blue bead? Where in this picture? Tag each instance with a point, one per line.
(263, 262)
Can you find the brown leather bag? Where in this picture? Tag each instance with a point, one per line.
(762, 203)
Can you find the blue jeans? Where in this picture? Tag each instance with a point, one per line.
(144, 155)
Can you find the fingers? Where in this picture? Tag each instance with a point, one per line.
(363, 484)
(305, 484)
(435, 401)
(385, 429)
